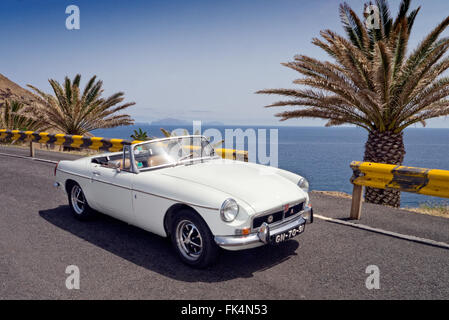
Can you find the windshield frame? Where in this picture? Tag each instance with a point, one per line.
(174, 164)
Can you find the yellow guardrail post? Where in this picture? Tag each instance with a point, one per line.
(29, 138)
(429, 182)
(356, 205)
(32, 152)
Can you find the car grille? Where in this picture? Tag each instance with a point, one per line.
(294, 210)
(278, 215)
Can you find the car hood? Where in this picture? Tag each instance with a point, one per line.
(261, 187)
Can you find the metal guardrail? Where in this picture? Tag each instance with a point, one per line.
(94, 143)
(431, 182)
(228, 153)
(66, 140)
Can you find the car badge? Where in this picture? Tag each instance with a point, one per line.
(286, 208)
(270, 219)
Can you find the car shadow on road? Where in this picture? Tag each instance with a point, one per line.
(156, 253)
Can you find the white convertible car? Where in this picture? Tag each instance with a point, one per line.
(177, 187)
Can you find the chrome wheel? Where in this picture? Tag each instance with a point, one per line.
(78, 199)
(188, 240)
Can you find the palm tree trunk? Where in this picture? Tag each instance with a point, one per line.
(384, 147)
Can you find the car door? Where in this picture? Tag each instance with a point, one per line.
(112, 190)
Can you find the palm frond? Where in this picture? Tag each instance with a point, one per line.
(73, 112)
(371, 82)
(385, 18)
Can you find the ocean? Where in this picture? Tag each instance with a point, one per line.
(323, 155)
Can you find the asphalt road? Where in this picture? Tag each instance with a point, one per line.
(39, 239)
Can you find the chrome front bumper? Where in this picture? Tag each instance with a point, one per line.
(262, 236)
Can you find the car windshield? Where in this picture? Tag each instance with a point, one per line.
(171, 151)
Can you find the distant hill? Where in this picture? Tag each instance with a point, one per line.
(140, 124)
(178, 122)
(11, 90)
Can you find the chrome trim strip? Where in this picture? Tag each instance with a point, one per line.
(233, 241)
(74, 174)
(285, 227)
(112, 184)
(236, 241)
(178, 201)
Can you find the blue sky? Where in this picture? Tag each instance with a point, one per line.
(189, 59)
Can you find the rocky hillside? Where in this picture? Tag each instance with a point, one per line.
(10, 89)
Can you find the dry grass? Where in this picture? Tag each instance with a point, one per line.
(433, 209)
(337, 194)
(439, 210)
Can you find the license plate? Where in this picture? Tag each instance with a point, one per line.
(284, 236)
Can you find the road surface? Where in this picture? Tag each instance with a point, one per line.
(39, 238)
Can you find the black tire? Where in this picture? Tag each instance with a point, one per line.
(81, 211)
(207, 254)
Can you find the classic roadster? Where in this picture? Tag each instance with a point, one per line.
(179, 188)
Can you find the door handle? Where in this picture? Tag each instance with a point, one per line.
(97, 173)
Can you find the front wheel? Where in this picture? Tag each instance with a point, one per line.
(78, 203)
(193, 240)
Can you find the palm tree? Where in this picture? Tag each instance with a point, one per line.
(169, 134)
(372, 83)
(140, 135)
(12, 117)
(74, 113)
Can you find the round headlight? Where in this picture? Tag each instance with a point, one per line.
(229, 210)
(303, 184)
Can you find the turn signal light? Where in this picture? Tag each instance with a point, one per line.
(243, 232)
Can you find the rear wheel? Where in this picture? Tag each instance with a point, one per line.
(78, 203)
(193, 240)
